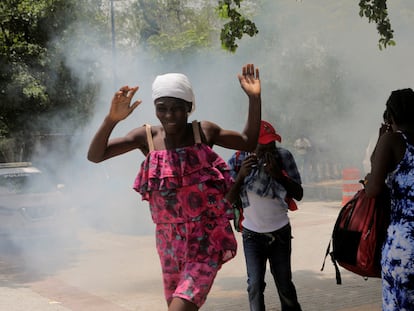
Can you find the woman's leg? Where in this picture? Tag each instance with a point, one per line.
(179, 304)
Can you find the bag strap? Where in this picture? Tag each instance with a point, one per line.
(337, 271)
(196, 132)
(149, 137)
(330, 252)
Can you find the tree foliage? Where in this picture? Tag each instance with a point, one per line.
(35, 81)
(165, 27)
(376, 11)
(48, 80)
(239, 25)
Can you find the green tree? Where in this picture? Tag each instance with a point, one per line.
(35, 81)
(239, 24)
(42, 40)
(167, 27)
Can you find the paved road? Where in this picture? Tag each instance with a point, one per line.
(113, 272)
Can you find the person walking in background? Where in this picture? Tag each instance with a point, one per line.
(303, 148)
(267, 181)
(392, 165)
(184, 180)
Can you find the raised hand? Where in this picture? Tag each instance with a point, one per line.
(250, 80)
(121, 103)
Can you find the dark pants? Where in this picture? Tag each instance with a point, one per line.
(275, 247)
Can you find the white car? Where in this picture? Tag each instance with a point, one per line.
(31, 204)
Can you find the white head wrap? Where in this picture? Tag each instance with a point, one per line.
(173, 85)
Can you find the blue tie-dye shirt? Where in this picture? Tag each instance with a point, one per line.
(261, 183)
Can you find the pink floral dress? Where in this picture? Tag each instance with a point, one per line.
(185, 188)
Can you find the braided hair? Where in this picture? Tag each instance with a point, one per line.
(400, 106)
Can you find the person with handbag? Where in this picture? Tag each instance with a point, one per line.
(392, 164)
(267, 182)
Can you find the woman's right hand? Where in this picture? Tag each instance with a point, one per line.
(121, 103)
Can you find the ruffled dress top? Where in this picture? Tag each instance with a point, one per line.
(185, 184)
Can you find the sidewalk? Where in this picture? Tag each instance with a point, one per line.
(113, 272)
(317, 290)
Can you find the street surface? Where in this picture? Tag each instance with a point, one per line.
(107, 271)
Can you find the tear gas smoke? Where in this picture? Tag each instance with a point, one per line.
(322, 76)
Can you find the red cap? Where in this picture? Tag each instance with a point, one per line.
(268, 133)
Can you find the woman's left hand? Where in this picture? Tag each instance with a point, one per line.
(250, 80)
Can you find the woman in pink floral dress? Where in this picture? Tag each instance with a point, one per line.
(184, 180)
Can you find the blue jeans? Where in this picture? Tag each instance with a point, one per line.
(275, 247)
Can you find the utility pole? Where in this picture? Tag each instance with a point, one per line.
(114, 73)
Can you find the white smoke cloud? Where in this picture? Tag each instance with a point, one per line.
(319, 36)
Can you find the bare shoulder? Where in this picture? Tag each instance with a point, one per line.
(141, 131)
(391, 139)
(396, 140)
(138, 138)
(209, 131)
(137, 133)
(394, 145)
(208, 125)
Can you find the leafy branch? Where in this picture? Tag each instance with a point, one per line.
(236, 27)
(376, 11)
(239, 25)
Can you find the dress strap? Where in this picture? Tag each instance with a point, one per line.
(196, 131)
(149, 137)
